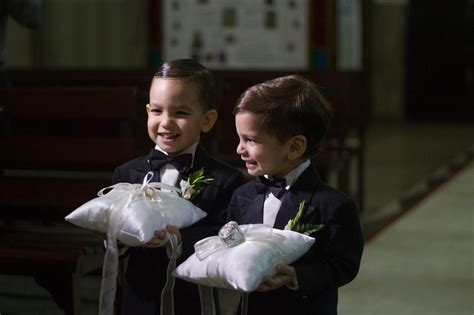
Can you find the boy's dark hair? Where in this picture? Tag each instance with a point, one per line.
(193, 72)
(289, 106)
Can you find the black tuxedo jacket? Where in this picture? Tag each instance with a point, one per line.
(145, 275)
(332, 261)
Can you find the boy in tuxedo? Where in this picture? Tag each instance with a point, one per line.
(281, 124)
(181, 106)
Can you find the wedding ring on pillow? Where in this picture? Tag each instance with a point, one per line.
(231, 235)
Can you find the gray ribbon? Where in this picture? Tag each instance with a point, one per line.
(167, 298)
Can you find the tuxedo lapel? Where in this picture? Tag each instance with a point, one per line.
(200, 158)
(251, 209)
(138, 173)
(302, 190)
(250, 205)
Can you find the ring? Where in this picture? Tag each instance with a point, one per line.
(231, 234)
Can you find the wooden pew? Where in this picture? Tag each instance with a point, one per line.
(342, 160)
(59, 146)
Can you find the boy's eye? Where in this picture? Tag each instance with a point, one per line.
(156, 110)
(182, 112)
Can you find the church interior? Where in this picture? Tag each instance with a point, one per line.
(400, 78)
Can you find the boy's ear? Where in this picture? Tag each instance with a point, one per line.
(297, 147)
(147, 106)
(209, 120)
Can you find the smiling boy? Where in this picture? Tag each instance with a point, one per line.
(281, 124)
(181, 106)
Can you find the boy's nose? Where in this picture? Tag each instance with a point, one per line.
(165, 120)
(240, 149)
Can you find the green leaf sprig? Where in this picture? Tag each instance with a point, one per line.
(304, 228)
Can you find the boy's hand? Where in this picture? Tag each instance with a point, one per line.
(285, 275)
(160, 239)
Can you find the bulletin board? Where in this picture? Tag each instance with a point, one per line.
(238, 34)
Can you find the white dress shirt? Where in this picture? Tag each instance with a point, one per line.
(272, 204)
(168, 173)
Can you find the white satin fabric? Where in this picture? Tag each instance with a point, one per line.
(131, 213)
(242, 267)
(142, 210)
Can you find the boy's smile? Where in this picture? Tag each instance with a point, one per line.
(168, 136)
(175, 116)
(250, 164)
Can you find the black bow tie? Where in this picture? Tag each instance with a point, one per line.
(181, 162)
(276, 187)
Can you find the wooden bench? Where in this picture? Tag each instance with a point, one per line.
(342, 161)
(59, 146)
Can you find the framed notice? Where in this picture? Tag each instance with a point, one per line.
(238, 34)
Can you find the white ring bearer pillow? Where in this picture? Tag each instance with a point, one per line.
(131, 213)
(138, 211)
(241, 256)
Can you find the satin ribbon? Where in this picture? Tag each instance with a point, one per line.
(119, 211)
(167, 297)
(231, 235)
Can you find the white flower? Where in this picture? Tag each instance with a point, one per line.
(187, 190)
(184, 185)
(188, 193)
(193, 186)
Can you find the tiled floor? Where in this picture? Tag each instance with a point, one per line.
(423, 262)
(398, 157)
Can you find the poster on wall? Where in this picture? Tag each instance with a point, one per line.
(237, 34)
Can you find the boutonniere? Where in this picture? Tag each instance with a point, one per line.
(304, 228)
(194, 184)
